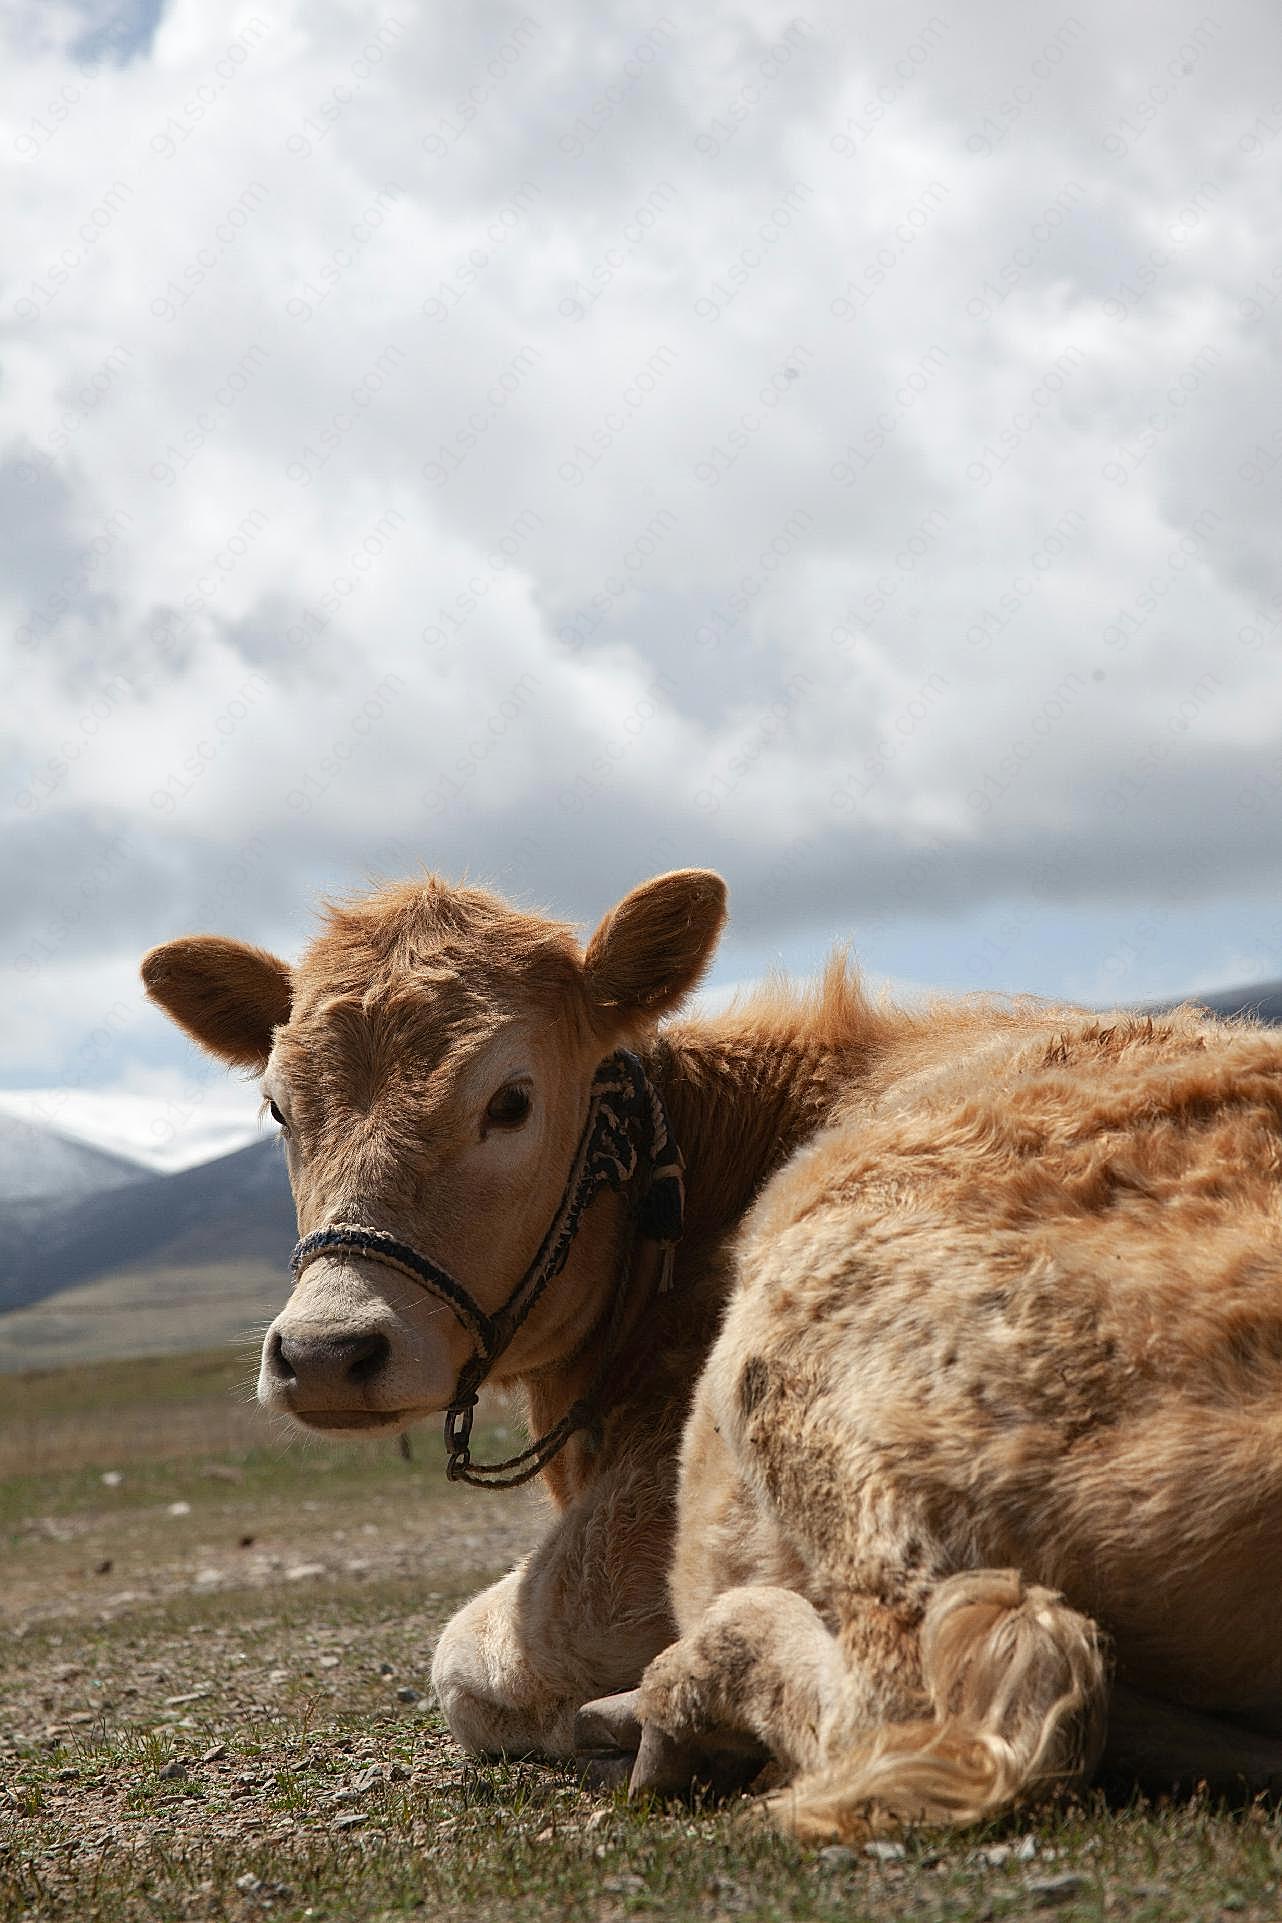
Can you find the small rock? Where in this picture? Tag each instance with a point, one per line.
(188, 1696)
(405, 1694)
(172, 1769)
(180, 1509)
(598, 1819)
(215, 1753)
(205, 1578)
(1234, 1901)
(352, 1820)
(278, 1676)
(329, 1662)
(222, 1472)
(546, 1836)
(304, 1571)
(385, 1669)
(885, 1852)
(260, 1889)
(104, 1568)
(1050, 1891)
(246, 1542)
(1026, 1849)
(112, 1478)
(836, 1857)
(626, 1885)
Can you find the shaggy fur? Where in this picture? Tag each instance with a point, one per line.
(989, 1436)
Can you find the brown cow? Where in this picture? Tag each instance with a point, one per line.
(998, 1381)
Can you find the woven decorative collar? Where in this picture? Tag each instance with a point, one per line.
(626, 1137)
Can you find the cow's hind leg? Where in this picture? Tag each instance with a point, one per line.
(998, 1697)
(762, 1676)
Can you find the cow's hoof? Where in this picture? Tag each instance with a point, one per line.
(717, 1766)
(612, 1746)
(607, 1734)
(609, 1722)
(603, 1768)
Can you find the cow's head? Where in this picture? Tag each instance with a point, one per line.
(429, 1060)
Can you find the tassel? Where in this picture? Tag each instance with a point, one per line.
(661, 1216)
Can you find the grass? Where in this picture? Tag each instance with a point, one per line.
(213, 1704)
(152, 1308)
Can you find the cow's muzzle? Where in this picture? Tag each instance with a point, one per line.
(330, 1374)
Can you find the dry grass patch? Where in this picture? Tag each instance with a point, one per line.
(213, 1704)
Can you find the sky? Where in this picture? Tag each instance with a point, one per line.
(839, 447)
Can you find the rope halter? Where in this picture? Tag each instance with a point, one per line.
(626, 1134)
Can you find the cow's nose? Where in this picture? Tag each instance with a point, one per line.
(314, 1367)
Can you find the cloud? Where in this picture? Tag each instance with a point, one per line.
(560, 447)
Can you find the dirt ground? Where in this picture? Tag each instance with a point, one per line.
(214, 1650)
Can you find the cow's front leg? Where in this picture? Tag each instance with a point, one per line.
(497, 1701)
(580, 1618)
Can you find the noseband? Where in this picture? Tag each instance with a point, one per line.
(626, 1134)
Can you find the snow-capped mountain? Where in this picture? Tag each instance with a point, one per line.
(237, 1208)
(167, 1130)
(40, 1166)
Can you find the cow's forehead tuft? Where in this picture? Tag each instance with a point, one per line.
(451, 942)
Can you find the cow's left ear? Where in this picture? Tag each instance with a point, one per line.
(225, 994)
(650, 951)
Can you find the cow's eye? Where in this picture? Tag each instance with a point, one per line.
(276, 1115)
(510, 1107)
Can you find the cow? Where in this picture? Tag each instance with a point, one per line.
(907, 1383)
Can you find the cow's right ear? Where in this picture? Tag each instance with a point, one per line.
(225, 994)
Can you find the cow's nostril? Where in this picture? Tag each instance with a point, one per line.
(367, 1356)
(279, 1366)
(314, 1369)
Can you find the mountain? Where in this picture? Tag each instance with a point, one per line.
(237, 1209)
(1263, 999)
(38, 1164)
